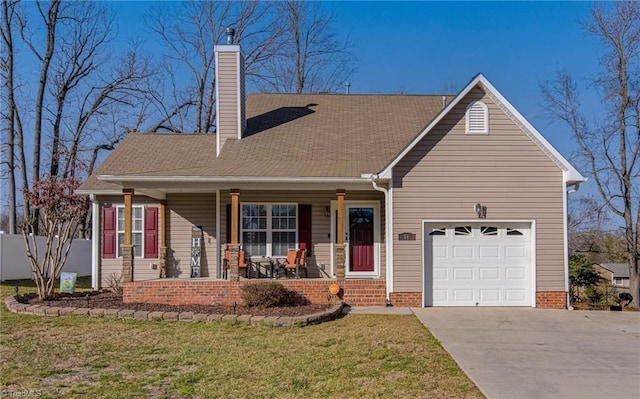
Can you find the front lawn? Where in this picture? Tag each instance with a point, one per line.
(358, 356)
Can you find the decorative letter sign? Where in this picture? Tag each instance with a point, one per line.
(196, 250)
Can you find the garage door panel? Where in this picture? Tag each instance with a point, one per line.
(489, 273)
(488, 295)
(440, 274)
(462, 252)
(463, 296)
(515, 252)
(440, 252)
(462, 273)
(515, 273)
(489, 252)
(488, 265)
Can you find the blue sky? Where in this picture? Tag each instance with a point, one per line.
(437, 47)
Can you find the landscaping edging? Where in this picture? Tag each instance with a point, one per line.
(281, 321)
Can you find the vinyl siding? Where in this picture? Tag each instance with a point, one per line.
(185, 211)
(321, 225)
(506, 171)
(112, 268)
(227, 96)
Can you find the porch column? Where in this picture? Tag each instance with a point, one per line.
(127, 247)
(162, 253)
(234, 244)
(340, 247)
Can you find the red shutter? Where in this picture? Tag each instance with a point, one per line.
(304, 228)
(151, 232)
(109, 232)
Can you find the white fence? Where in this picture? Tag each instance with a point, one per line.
(15, 265)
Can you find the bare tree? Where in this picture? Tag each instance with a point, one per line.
(610, 148)
(189, 31)
(84, 86)
(312, 58)
(7, 65)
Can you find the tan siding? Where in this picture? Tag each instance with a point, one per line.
(185, 211)
(321, 225)
(227, 96)
(109, 268)
(449, 171)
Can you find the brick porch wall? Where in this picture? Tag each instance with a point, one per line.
(208, 292)
(551, 300)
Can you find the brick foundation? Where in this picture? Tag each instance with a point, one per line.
(551, 299)
(208, 292)
(406, 299)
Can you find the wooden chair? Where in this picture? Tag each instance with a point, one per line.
(302, 262)
(293, 256)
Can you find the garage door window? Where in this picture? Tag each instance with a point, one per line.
(489, 230)
(462, 230)
(438, 232)
(514, 232)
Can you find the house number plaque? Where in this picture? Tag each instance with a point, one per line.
(406, 237)
(196, 250)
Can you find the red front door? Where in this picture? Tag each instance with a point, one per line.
(361, 250)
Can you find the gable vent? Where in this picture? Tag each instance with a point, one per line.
(477, 118)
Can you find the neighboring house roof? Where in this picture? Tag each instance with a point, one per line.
(619, 270)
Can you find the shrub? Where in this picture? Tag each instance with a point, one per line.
(266, 295)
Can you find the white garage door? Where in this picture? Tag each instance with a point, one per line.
(478, 264)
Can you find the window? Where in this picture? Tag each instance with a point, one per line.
(462, 231)
(269, 229)
(489, 230)
(438, 232)
(617, 281)
(136, 230)
(477, 118)
(514, 232)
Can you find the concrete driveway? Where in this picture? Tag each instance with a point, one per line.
(536, 353)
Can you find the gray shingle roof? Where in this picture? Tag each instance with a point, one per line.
(288, 135)
(620, 270)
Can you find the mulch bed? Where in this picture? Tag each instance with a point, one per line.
(109, 300)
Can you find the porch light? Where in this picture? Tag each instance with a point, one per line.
(327, 211)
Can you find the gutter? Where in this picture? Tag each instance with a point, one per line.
(387, 234)
(229, 179)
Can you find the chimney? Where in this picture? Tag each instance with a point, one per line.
(230, 99)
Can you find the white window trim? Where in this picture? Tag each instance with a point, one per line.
(486, 118)
(118, 231)
(269, 230)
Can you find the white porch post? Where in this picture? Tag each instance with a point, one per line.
(95, 242)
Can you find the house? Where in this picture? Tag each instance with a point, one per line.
(614, 274)
(409, 200)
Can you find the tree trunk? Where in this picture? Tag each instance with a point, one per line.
(7, 37)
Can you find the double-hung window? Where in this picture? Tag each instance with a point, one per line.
(136, 230)
(269, 229)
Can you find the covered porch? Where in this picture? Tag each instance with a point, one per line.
(204, 234)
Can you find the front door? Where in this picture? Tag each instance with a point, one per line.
(360, 238)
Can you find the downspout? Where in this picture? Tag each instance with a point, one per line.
(95, 242)
(387, 236)
(565, 198)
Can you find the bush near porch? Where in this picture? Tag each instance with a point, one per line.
(356, 356)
